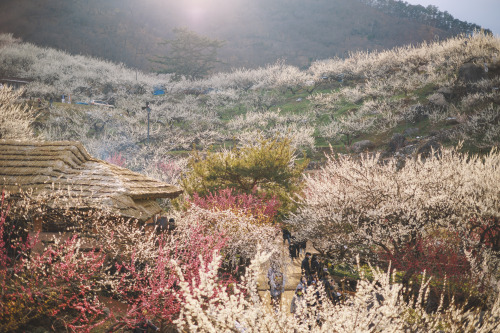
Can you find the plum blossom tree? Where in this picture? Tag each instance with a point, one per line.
(64, 281)
(59, 282)
(244, 231)
(153, 286)
(355, 205)
(378, 306)
(252, 126)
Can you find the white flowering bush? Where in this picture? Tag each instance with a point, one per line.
(401, 78)
(404, 60)
(250, 127)
(382, 208)
(16, 119)
(374, 93)
(377, 306)
(245, 232)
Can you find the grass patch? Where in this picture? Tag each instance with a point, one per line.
(425, 91)
(226, 114)
(294, 107)
(398, 97)
(345, 107)
(323, 119)
(345, 270)
(227, 144)
(320, 141)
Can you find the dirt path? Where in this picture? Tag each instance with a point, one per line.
(292, 276)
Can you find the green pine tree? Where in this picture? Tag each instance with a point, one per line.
(269, 167)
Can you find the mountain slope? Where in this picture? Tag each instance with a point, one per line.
(257, 32)
(395, 101)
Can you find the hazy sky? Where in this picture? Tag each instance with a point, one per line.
(485, 13)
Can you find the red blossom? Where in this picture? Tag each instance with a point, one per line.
(63, 281)
(252, 204)
(439, 257)
(117, 159)
(170, 169)
(154, 288)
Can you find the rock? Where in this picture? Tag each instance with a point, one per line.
(410, 131)
(397, 141)
(362, 146)
(428, 147)
(438, 100)
(470, 72)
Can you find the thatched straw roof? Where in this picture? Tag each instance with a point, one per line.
(44, 167)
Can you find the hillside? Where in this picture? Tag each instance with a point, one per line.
(396, 101)
(431, 223)
(257, 32)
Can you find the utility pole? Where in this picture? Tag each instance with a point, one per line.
(147, 108)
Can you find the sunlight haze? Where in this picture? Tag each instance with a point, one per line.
(249, 166)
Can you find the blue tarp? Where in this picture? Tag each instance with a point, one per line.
(82, 103)
(159, 92)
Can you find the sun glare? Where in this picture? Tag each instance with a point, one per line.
(196, 13)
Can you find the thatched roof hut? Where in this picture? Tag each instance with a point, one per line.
(87, 183)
